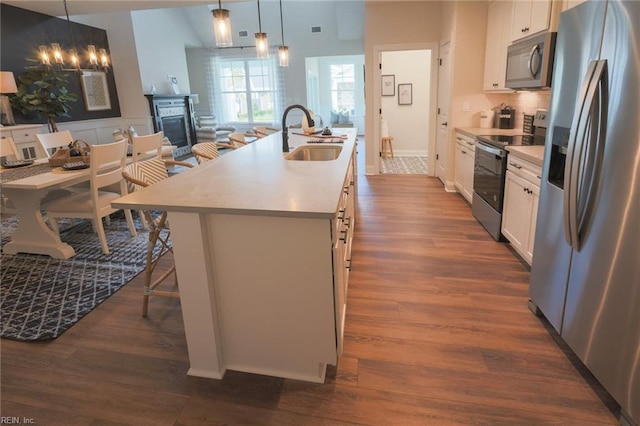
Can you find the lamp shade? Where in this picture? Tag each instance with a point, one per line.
(7, 82)
(283, 56)
(222, 27)
(262, 45)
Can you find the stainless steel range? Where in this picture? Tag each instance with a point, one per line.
(490, 169)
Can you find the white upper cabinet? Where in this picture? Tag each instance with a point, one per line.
(568, 4)
(498, 39)
(530, 17)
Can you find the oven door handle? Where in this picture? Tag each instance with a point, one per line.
(490, 149)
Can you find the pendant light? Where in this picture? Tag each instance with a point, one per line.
(283, 51)
(98, 58)
(262, 44)
(222, 26)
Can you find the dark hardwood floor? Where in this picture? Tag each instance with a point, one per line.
(437, 332)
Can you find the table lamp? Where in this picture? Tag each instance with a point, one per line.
(7, 85)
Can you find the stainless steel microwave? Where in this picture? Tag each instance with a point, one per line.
(530, 62)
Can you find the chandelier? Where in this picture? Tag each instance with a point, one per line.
(55, 55)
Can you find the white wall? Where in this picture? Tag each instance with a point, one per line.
(124, 59)
(408, 124)
(160, 39)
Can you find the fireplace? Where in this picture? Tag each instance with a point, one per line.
(173, 114)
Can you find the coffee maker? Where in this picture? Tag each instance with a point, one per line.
(505, 117)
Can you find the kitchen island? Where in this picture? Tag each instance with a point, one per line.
(262, 250)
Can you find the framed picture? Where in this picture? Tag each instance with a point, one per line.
(95, 90)
(405, 94)
(388, 85)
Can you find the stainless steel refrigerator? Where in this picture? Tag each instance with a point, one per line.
(585, 275)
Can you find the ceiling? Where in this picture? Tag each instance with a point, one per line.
(88, 7)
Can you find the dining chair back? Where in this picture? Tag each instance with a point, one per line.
(146, 146)
(106, 164)
(50, 142)
(8, 149)
(262, 131)
(140, 175)
(205, 151)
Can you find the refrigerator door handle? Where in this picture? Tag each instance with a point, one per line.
(589, 120)
(592, 157)
(569, 194)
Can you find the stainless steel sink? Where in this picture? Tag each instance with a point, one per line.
(314, 153)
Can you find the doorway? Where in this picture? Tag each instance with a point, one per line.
(405, 108)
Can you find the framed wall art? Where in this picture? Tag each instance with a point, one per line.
(405, 95)
(388, 85)
(95, 90)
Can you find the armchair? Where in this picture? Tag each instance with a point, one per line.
(208, 129)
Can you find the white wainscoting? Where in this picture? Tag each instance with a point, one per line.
(101, 131)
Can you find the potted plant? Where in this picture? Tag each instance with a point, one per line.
(43, 89)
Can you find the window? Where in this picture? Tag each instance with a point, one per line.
(248, 90)
(343, 87)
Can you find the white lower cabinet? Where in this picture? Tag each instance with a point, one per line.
(521, 194)
(342, 238)
(465, 157)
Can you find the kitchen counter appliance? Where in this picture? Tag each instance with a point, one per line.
(490, 168)
(585, 274)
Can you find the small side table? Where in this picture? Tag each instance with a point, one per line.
(387, 146)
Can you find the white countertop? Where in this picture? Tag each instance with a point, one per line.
(255, 179)
(532, 153)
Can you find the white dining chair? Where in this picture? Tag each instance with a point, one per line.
(106, 164)
(147, 146)
(50, 142)
(8, 149)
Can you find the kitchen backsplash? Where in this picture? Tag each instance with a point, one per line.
(523, 102)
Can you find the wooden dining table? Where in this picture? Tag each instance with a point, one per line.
(25, 187)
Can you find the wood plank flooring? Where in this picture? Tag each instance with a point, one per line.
(437, 333)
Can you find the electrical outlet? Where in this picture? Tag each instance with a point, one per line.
(465, 106)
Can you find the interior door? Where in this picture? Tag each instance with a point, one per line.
(444, 94)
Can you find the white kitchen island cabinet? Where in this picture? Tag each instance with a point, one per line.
(262, 251)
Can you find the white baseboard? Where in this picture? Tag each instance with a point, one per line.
(409, 153)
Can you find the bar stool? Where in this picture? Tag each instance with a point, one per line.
(387, 146)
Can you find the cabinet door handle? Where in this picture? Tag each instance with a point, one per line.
(516, 165)
(344, 237)
(463, 151)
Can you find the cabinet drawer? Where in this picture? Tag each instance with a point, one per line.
(525, 169)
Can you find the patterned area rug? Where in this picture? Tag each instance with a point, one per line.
(41, 297)
(405, 165)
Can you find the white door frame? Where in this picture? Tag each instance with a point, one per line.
(433, 89)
